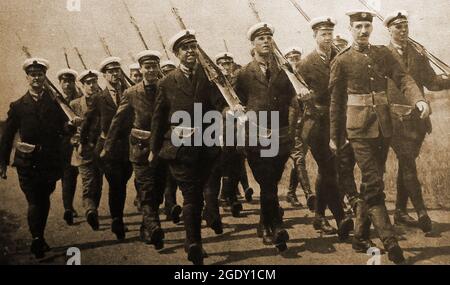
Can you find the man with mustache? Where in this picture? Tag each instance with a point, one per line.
(359, 113)
(315, 125)
(117, 167)
(409, 130)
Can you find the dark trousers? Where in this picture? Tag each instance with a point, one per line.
(408, 184)
(92, 182)
(37, 185)
(211, 192)
(371, 155)
(298, 171)
(233, 171)
(267, 172)
(117, 173)
(69, 185)
(315, 134)
(346, 179)
(191, 170)
(170, 193)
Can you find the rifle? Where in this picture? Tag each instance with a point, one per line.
(53, 90)
(127, 82)
(212, 71)
(441, 65)
(66, 57)
(295, 78)
(161, 39)
(136, 26)
(307, 18)
(225, 45)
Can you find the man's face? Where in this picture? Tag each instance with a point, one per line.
(361, 31)
(263, 45)
(294, 58)
(36, 78)
(399, 32)
(167, 69)
(113, 75)
(90, 85)
(187, 53)
(324, 38)
(136, 75)
(67, 84)
(226, 64)
(150, 71)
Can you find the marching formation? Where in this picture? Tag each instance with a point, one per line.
(345, 102)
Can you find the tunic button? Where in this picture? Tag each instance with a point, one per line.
(369, 66)
(371, 78)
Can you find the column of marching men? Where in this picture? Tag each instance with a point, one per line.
(363, 99)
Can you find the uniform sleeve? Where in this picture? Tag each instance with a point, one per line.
(404, 82)
(239, 87)
(12, 125)
(338, 104)
(160, 123)
(431, 80)
(91, 116)
(123, 113)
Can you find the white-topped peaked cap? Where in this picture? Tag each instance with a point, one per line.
(258, 29)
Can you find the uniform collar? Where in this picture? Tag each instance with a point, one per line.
(361, 48)
(187, 71)
(35, 96)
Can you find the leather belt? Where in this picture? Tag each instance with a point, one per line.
(372, 99)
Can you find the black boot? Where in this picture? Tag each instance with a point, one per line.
(37, 247)
(118, 228)
(321, 224)
(345, 227)
(151, 231)
(195, 254)
(361, 240)
(92, 219)
(248, 194)
(292, 199)
(68, 217)
(425, 223)
(401, 217)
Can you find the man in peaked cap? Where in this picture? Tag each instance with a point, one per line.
(298, 172)
(190, 165)
(117, 167)
(67, 78)
(167, 66)
(409, 130)
(138, 102)
(86, 161)
(293, 55)
(135, 73)
(40, 123)
(262, 86)
(233, 162)
(340, 42)
(314, 133)
(360, 114)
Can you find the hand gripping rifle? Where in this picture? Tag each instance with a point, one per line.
(295, 78)
(213, 72)
(420, 48)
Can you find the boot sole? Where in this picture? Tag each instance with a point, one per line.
(195, 255)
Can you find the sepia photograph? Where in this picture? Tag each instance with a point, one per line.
(238, 132)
